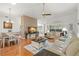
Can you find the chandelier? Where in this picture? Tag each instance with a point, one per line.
(8, 24)
(45, 13)
(9, 14)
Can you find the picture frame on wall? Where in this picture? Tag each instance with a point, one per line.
(32, 29)
(7, 25)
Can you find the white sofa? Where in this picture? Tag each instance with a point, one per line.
(71, 50)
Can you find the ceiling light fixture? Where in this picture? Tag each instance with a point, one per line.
(8, 24)
(45, 13)
(9, 16)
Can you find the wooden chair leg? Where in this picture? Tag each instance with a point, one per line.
(15, 42)
(0, 44)
(9, 43)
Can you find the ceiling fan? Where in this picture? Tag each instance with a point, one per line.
(44, 12)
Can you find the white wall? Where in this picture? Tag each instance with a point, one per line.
(16, 24)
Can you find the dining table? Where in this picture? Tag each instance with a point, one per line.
(7, 38)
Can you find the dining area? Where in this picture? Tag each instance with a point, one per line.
(9, 39)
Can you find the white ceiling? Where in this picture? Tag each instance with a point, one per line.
(35, 9)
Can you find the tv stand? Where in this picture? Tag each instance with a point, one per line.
(31, 35)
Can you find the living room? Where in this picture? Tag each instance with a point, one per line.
(39, 29)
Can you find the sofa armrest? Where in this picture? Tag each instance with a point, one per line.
(55, 51)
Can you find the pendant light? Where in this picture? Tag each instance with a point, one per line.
(8, 24)
(9, 16)
(45, 13)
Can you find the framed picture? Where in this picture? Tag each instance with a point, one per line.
(32, 29)
(7, 25)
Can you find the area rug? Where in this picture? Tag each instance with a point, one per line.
(45, 52)
(31, 48)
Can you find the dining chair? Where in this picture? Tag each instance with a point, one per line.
(12, 38)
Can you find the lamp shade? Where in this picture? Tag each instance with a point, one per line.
(64, 29)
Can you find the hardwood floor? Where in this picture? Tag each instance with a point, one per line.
(16, 50)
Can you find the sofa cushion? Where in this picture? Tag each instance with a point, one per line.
(77, 54)
(73, 48)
